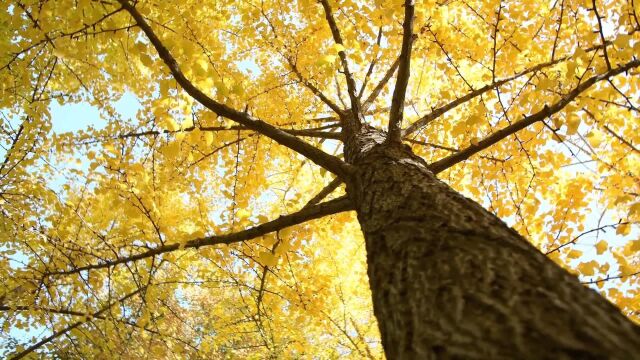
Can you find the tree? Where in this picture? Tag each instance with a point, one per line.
(222, 221)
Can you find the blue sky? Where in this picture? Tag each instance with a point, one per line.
(73, 117)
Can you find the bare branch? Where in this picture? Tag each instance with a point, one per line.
(610, 131)
(351, 84)
(371, 66)
(92, 316)
(555, 41)
(404, 71)
(622, 140)
(575, 239)
(383, 82)
(305, 214)
(604, 42)
(61, 332)
(446, 54)
(547, 111)
(450, 149)
(608, 277)
(436, 113)
(315, 133)
(329, 162)
(314, 89)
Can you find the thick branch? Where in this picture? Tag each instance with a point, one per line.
(324, 192)
(306, 214)
(329, 162)
(547, 111)
(404, 71)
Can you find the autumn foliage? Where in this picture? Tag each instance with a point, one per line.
(214, 223)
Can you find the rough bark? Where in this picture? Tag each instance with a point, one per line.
(452, 281)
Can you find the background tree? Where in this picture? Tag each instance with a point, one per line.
(219, 222)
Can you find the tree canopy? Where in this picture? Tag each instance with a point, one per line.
(214, 222)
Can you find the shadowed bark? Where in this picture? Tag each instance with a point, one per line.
(452, 281)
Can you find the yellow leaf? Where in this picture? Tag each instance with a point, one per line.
(208, 138)
(634, 209)
(187, 124)
(338, 47)
(283, 247)
(601, 247)
(242, 214)
(573, 122)
(326, 60)
(172, 149)
(146, 60)
(201, 67)
(623, 229)
(622, 199)
(571, 69)
(286, 232)
(545, 83)
(574, 254)
(621, 41)
(269, 239)
(221, 88)
(588, 268)
(170, 125)
(595, 138)
(475, 119)
(110, 148)
(580, 54)
(267, 259)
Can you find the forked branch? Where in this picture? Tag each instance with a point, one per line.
(65, 330)
(383, 82)
(307, 213)
(327, 161)
(436, 113)
(314, 89)
(334, 184)
(351, 84)
(547, 111)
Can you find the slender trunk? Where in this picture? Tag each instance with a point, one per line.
(452, 281)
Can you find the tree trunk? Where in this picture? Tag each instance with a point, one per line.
(452, 281)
